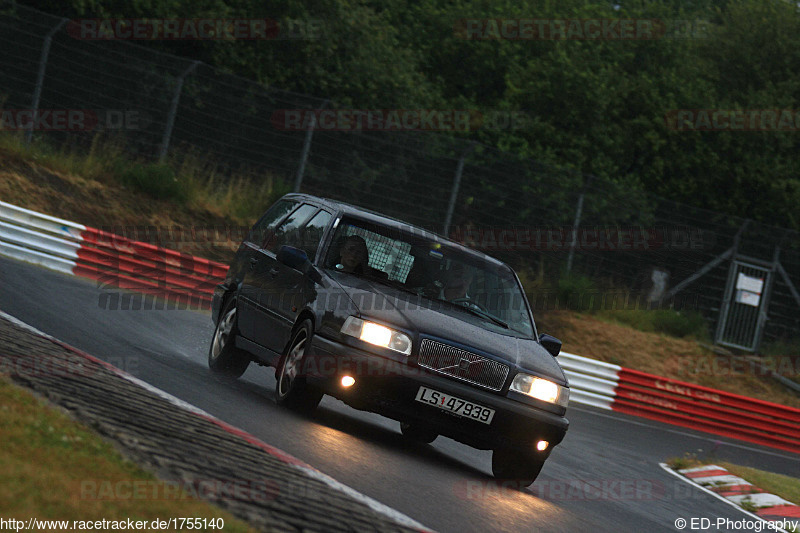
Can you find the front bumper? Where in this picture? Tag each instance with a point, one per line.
(389, 387)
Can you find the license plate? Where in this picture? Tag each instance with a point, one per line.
(455, 405)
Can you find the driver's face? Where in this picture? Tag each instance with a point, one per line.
(458, 281)
(352, 255)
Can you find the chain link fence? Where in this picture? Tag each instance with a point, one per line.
(547, 221)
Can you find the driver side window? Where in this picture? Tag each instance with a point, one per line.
(263, 228)
(289, 232)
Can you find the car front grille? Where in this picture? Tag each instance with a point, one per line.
(462, 365)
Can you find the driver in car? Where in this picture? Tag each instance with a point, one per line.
(457, 282)
(354, 257)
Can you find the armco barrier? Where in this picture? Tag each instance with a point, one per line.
(684, 404)
(112, 260)
(706, 409)
(119, 262)
(591, 382)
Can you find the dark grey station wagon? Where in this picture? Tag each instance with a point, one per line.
(393, 319)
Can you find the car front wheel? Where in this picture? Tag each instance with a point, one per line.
(224, 358)
(291, 387)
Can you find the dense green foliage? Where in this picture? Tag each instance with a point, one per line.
(669, 321)
(155, 179)
(598, 106)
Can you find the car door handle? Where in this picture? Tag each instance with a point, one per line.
(253, 262)
(273, 271)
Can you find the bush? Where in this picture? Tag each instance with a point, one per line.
(668, 321)
(680, 324)
(576, 292)
(156, 179)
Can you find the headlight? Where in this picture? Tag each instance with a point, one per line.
(377, 334)
(541, 389)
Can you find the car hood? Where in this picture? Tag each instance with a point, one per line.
(427, 318)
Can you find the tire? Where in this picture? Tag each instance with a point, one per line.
(417, 433)
(291, 388)
(520, 467)
(224, 358)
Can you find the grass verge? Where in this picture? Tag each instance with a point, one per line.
(684, 359)
(187, 179)
(688, 324)
(100, 186)
(49, 461)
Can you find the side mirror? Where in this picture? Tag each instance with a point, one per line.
(297, 259)
(292, 257)
(550, 343)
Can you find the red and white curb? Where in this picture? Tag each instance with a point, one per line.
(279, 454)
(783, 515)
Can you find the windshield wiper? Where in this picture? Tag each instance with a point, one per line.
(481, 314)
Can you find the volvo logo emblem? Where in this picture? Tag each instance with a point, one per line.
(463, 365)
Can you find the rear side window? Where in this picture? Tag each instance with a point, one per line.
(261, 230)
(288, 233)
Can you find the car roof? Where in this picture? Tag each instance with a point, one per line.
(345, 209)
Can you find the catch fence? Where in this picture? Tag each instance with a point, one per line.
(636, 249)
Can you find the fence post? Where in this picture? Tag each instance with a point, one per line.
(728, 294)
(456, 186)
(766, 294)
(173, 110)
(37, 91)
(574, 242)
(575, 224)
(301, 170)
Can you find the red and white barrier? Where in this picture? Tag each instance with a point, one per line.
(705, 409)
(684, 404)
(119, 262)
(112, 260)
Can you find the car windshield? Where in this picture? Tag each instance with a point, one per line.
(434, 270)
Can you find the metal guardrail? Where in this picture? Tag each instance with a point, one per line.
(120, 262)
(706, 409)
(591, 382)
(679, 403)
